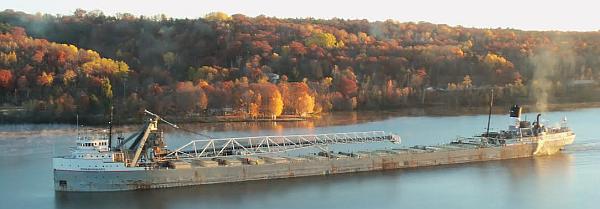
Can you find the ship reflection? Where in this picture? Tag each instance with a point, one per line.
(543, 168)
(228, 195)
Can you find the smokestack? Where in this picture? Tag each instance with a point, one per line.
(515, 111)
(537, 128)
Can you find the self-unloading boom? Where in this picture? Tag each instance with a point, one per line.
(148, 144)
(272, 144)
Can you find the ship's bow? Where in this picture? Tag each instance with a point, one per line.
(552, 143)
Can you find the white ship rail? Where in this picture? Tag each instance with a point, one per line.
(274, 144)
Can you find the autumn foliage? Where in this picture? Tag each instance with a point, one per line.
(6, 79)
(265, 67)
(56, 78)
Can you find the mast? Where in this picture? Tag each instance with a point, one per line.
(77, 118)
(110, 128)
(487, 133)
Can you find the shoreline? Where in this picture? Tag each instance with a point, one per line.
(430, 110)
(327, 119)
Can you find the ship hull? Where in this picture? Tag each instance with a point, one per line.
(92, 181)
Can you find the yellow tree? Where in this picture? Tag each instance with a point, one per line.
(68, 77)
(297, 99)
(325, 40)
(271, 99)
(217, 16)
(253, 110)
(107, 88)
(306, 104)
(275, 105)
(45, 79)
(494, 60)
(8, 59)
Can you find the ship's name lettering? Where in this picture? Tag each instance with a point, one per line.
(92, 169)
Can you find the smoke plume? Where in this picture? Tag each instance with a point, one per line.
(544, 65)
(551, 69)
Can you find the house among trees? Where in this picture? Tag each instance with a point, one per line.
(581, 85)
(273, 78)
(224, 111)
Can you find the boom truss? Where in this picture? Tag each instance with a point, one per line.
(274, 144)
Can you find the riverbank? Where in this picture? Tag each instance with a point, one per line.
(19, 130)
(330, 118)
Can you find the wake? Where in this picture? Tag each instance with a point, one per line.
(585, 146)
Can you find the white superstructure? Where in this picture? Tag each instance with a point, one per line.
(92, 154)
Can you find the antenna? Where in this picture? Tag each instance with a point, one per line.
(487, 133)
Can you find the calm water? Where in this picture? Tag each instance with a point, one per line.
(567, 180)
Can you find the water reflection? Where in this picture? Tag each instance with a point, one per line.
(567, 180)
(542, 167)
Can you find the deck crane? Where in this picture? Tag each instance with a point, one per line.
(150, 136)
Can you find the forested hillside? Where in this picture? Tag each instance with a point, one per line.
(55, 80)
(265, 67)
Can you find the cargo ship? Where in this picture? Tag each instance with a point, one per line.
(142, 161)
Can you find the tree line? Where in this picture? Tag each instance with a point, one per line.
(264, 67)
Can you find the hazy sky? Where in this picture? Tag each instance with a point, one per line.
(578, 15)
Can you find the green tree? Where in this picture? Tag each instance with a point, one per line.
(206, 73)
(169, 59)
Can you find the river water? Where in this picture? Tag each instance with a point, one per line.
(566, 180)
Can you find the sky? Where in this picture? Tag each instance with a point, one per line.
(572, 15)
